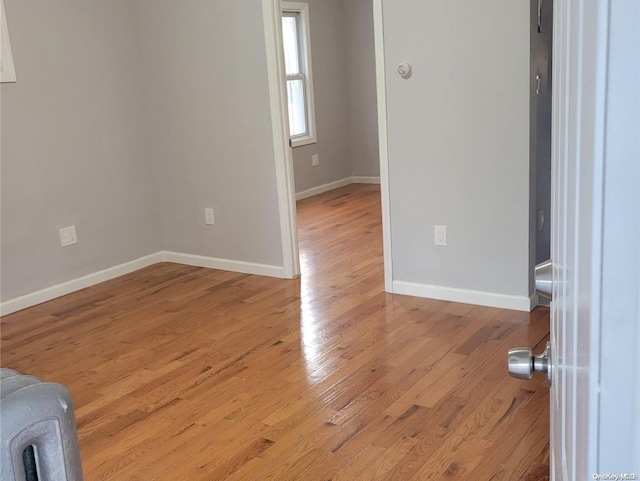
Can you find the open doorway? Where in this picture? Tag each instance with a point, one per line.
(330, 100)
(338, 144)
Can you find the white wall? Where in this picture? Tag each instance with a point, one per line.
(619, 374)
(206, 88)
(74, 144)
(458, 133)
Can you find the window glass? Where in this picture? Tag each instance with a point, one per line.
(297, 114)
(297, 65)
(290, 38)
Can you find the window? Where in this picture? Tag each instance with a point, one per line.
(297, 60)
(7, 72)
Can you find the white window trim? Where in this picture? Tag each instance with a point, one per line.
(7, 70)
(303, 10)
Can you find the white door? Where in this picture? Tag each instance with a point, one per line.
(576, 237)
(595, 245)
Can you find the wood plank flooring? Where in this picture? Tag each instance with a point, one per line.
(184, 373)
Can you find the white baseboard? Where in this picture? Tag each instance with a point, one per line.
(321, 189)
(224, 264)
(358, 179)
(465, 296)
(38, 297)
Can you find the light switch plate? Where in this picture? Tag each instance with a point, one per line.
(208, 217)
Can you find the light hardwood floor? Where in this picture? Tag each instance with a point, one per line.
(183, 373)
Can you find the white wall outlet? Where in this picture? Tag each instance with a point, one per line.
(208, 217)
(68, 236)
(315, 160)
(440, 235)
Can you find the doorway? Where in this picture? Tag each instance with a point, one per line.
(342, 104)
(340, 147)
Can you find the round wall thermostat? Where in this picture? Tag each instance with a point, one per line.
(404, 69)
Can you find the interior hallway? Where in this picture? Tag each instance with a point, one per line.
(185, 373)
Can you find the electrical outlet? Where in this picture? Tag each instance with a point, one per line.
(315, 160)
(208, 217)
(68, 236)
(440, 235)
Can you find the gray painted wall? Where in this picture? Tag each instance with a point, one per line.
(459, 142)
(361, 76)
(86, 136)
(205, 78)
(331, 100)
(127, 120)
(345, 95)
(74, 144)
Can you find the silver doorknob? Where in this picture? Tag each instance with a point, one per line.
(522, 363)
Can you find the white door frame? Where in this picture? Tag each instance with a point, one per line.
(381, 89)
(619, 369)
(271, 13)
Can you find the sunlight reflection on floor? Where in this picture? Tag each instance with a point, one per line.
(309, 322)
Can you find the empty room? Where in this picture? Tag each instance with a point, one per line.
(264, 240)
